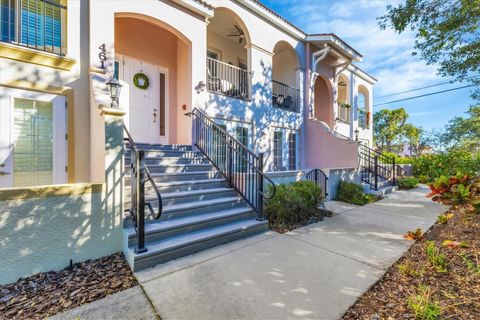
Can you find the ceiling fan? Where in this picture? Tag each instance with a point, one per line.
(240, 35)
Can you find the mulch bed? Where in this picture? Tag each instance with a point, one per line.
(457, 291)
(49, 293)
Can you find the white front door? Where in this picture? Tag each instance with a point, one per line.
(146, 116)
(32, 138)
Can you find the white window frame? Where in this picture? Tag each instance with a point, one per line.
(60, 129)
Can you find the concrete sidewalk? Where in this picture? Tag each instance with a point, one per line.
(315, 272)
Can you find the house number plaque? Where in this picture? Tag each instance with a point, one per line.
(102, 55)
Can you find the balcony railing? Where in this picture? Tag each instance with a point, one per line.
(228, 80)
(37, 24)
(343, 113)
(285, 97)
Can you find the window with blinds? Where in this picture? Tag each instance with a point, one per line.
(277, 151)
(33, 149)
(292, 151)
(38, 24)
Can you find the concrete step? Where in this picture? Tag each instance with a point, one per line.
(161, 230)
(180, 176)
(149, 146)
(174, 198)
(178, 246)
(186, 185)
(165, 161)
(168, 153)
(175, 168)
(187, 209)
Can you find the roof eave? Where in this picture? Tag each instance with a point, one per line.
(337, 43)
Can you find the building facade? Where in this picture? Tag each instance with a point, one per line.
(296, 97)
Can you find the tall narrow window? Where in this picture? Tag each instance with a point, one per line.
(219, 147)
(277, 151)
(242, 137)
(292, 151)
(33, 136)
(162, 104)
(362, 114)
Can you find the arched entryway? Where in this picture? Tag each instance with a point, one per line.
(343, 99)
(285, 85)
(323, 101)
(227, 59)
(152, 60)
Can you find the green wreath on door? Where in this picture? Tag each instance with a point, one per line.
(141, 81)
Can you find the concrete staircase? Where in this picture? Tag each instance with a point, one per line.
(384, 186)
(200, 209)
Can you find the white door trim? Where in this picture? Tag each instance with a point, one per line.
(126, 102)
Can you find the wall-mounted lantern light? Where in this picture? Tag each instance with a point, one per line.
(114, 87)
(356, 132)
(200, 87)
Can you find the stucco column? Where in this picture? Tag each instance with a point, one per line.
(114, 168)
(261, 97)
(102, 27)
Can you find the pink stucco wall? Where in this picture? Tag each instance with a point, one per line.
(149, 42)
(326, 151)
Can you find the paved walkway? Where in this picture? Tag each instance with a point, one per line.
(315, 272)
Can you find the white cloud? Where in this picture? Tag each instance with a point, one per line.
(387, 55)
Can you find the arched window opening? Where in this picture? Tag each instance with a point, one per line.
(227, 59)
(343, 99)
(285, 90)
(363, 108)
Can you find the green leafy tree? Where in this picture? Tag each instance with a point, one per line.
(447, 34)
(412, 135)
(463, 132)
(387, 127)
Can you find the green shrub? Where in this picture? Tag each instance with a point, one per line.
(431, 166)
(424, 306)
(353, 193)
(407, 182)
(294, 204)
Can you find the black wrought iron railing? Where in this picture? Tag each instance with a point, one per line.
(285, 96)
(376, 167)
(239, 165)
(37, 24)
(226, 79)
(320, 178)
(139, 176)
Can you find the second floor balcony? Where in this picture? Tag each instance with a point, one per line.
(36, 24)
(227, 79)
(285, 97)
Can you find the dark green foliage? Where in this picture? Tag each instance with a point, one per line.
(447, 34)
(407, 182)
(429, 167)
(294, 204)
(353, 193)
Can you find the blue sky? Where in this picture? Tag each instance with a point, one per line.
(386, 56)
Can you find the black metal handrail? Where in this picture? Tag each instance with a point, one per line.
(285, 96)
(239, 165)
(139, 175)
(320, 178)
(37, 24)
(375, 165)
